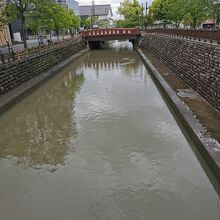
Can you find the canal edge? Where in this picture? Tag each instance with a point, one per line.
(12, 97)
(208, 148)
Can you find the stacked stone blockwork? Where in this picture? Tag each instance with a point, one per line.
(15, 73)
(198, 64)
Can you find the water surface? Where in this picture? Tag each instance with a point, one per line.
(98, 142)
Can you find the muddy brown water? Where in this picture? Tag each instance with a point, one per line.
(98, 142)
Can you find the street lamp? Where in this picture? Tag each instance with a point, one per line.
(142, 14)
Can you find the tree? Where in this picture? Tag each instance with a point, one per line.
(45, 15)
(127, 23)
(3, 15)
(86, 22)
(190, 12)
(175, 10)
(104, 23)
(196, 11)
(40, 17)
(73, 20)
(215, 10)
(4, 19)
(129, 9)
(21, 8)
(131, 12)
(157, 10)
(62, 19)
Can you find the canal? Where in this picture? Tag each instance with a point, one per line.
(98, 142)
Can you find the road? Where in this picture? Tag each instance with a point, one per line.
(30, 43)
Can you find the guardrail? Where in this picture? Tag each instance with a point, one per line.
(34, 51)
(110, 32)
(211, 35)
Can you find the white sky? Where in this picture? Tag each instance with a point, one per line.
(115, 3)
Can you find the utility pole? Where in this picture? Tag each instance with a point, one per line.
(93, 13)
(146, 8)
(142, 16)
(146, 14)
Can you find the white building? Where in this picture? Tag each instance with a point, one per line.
(102, 11)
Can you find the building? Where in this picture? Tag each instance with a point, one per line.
(70, 4)
(102, 11)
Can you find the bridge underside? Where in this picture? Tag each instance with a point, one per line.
(95, 42)
(109, 38)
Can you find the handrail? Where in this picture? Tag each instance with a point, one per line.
(110, 32)
(34, 51)
(211, 35)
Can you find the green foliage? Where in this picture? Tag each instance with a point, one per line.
(157, 10)
(42, 15)
(131, 12)
(127, 23)
(51, 16)
(129, 8)
(105, 23)
(189, 12)
(62, 19)
(175, 10)
(20, 8)
(86, 22)
(3, 15)
(196, 11)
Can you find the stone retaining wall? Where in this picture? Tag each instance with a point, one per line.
(18, 72)
(198, 64)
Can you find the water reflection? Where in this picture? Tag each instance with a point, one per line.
(38, 132)
(124, 59)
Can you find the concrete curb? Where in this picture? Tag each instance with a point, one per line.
(208, 147)
(19, 92)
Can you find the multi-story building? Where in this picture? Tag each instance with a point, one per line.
(70, 4)
(102, 11)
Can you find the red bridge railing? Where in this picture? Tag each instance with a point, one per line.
(211, 35)
(111, 32)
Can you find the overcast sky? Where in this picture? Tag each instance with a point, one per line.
(115, 3)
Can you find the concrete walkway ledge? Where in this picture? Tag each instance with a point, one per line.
(208, 147)
(19, 92)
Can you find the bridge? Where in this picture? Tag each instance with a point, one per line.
(96, 36)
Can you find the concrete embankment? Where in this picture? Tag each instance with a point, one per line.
(197, 63)
(208, 147)
(19, 77)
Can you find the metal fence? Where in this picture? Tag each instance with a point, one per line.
(19, 55)
(213, 36)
